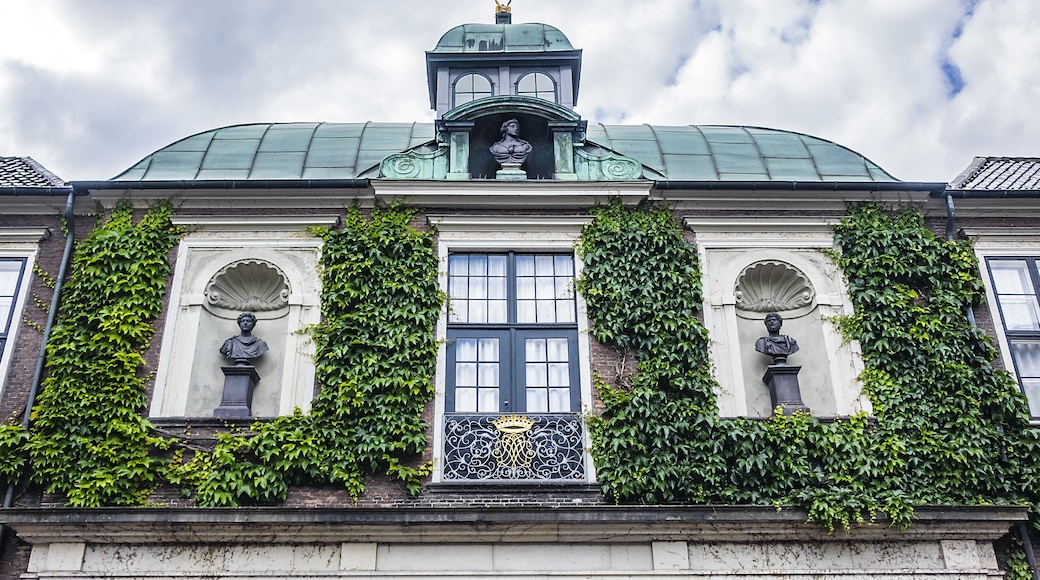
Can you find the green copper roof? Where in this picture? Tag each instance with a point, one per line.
(349, 150)
(727, 153)
(280, 151)
(481, 38)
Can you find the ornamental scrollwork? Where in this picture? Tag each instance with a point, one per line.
(607, 167)
(415, 165)
(512, 448)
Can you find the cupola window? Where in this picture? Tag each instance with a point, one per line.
(470, 87)
(539, 85)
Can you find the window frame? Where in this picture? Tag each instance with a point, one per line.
(521, 233)
(512, 334)
(455, 83)
(535, 93)
(22, 292)
(1010, 337)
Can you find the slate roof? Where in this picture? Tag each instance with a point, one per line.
(350, 150)
(26, 172)
(1000, 174)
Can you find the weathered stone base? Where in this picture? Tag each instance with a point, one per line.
(569, 544)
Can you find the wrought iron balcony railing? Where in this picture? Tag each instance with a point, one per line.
(514, 448)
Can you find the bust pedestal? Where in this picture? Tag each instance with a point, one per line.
(784, 392)
(511, 172)
(239, 382)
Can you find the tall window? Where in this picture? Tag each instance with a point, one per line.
(512, 334)
(538, 85)
(1015, 283)
(11, 272)
(470, 87)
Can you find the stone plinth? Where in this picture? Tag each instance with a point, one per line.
(783, 388)
(239, 382)
(511, 172)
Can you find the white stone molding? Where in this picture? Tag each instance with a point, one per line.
(517, 194)
(728, 247)
(531, 233)
(189, 360)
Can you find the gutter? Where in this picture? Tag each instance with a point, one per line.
(66, 260)
(934, 189)
(23, 190)
(225, 184)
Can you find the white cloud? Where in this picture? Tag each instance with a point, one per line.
(90, 86)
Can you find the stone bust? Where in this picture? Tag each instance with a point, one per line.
(244, 347)
(511, 148)
(775, 344)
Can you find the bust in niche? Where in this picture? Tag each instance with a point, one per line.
(775, 344)
(511, 149)
(244, 347)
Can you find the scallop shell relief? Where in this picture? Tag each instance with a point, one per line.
(249, 286)
(773, 286)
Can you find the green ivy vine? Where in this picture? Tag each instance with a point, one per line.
(375, 361)
(943, 414)
(89, 439)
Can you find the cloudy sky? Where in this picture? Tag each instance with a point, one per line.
(88, 87)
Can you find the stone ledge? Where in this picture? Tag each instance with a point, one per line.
(597, 524)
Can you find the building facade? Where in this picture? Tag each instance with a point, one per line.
(515, 342)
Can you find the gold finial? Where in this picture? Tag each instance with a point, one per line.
(503, 8)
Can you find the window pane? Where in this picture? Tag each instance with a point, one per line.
(488, 374)
(477, 288)
(496, 288)
(565, 311)
(525, 288)
(1020, 312)
(524, 265)
(527, 84)
(559, 400)
(1031, 387)
(458, 287)
(564, 288)
(466, 374)
(497, 266)
(556, 349)
(1011, 277)
(478, 311)
(564, 265)
(465, 400)
(535, 350)
(488, 401)
(496, 311)
(5, 312)
(525, 311)
(536, 375)
(546, 311)
(478, 265)
(458, 265)
(480, 84)
(459, 311)
(1027, 358)
(488, 349)
(466, 349)
(9, 271)
(559, 375)
(543, 266)
(545, 288)
(537, 401)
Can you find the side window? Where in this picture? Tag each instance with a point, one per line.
(512, 334)
(470, 87)
(11, 272)
(538, 85)
(1015, 284)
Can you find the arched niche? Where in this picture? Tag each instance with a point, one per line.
(216, 279)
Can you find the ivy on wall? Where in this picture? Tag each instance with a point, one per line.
(943, 413)
(375, 361)
(89, 439)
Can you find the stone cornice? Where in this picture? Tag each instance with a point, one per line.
(529, 194)
(602, 524)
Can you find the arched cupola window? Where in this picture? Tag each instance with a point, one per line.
(470, 87)
(537, 84)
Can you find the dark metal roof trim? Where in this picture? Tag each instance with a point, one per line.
(228, 184)
(990, 193)
(28, 190)
(934, 188)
